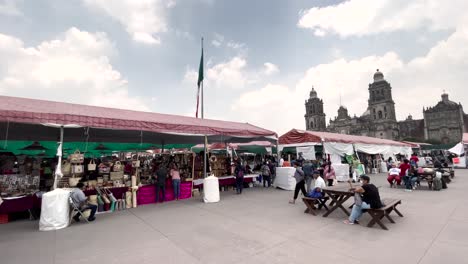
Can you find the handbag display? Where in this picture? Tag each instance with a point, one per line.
(76, 157)
(116, 175)
(77, 169)
(93, 199)
(92, 165)
(118, 167)
(100, 204)
(135, 163)
(103, 169)
(66, 168)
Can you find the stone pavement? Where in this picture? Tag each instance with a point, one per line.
(256, 227)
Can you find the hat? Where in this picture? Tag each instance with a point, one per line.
(365, 177)
(316, 172)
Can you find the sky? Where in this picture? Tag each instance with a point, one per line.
(262, 57)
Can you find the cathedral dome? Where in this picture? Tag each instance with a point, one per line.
(313, 93)
(378, 76)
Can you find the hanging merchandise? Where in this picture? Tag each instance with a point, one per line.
(103, 169)
(92, 165)
(136, 163)
(77, 169)
(118, 167)
(77, 157)
(116, 175)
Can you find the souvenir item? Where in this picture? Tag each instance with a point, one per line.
(77, 157)
(92, 165)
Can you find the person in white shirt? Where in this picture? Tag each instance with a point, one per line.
(281, 162)
(319, 184)
(319, 181)
(394, 176)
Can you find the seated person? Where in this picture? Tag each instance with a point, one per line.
(394, 176)
(370, 199)
(411, 179)
(79, 198)
(316, 192)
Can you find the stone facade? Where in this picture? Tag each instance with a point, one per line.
(444, 123)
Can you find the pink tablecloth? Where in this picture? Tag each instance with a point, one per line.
(147, 194)
(20, 205)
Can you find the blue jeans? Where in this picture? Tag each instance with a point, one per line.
(357, 211)
(410, 182)
(176, 186)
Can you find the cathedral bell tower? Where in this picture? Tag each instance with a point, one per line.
(314, 117)
(381, 108)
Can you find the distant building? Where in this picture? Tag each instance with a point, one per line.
(315, 117)
(444, 123)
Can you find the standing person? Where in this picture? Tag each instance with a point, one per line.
(329, 173)
(414, 160)
(308, 169)
(79, 198)
(404, 169)
(266, 175)
(161, 175)
(370, 199)
(281, 162)
(300, 183)
(394, 176)
(239, 171)
(300, 159)
(272, 166)
(175, 175)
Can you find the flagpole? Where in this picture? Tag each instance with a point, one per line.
(203, 117)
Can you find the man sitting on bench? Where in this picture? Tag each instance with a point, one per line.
(370, 200)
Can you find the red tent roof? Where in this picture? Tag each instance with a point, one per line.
(465, 138)
(296, 136)
(31, 111)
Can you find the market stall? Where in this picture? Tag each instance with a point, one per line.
(338, 147)
(103, 147)
(461, 150)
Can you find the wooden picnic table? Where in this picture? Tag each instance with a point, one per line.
(338, 194)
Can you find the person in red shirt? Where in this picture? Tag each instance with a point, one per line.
(414, 160)
(404, 167)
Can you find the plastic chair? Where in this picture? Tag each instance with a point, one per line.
(75, 209)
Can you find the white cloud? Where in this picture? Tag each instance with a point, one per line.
(74, 68)
(235, 45)
(270, 68)
(142, 19)
(367, 17)
(216, 43)
(230, 74)
(10, 8)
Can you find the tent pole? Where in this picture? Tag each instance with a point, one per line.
(59, 154)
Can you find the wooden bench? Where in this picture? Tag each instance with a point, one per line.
(378, 214)
(312, 202)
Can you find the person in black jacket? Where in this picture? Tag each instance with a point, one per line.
(370, 198)
(239, 172)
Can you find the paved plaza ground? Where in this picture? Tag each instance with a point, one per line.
(256, 227)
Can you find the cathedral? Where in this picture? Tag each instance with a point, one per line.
(444, 123)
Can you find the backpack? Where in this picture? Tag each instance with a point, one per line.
(437, 184)
(265, 170)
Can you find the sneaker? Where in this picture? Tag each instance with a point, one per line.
(356, 222)
(292, 202)
(91, 219)
(347, 222)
